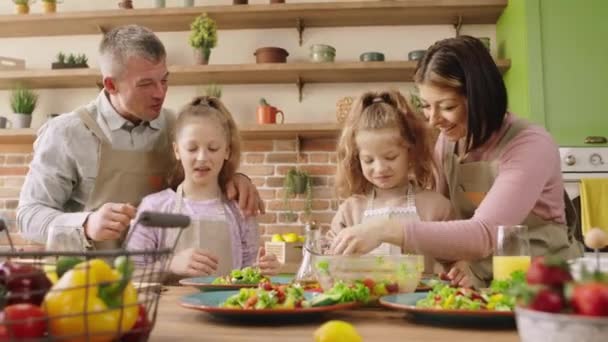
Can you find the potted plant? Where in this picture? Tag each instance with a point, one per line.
(188, 3)
(22, 6)
(70, 61)
(49, 6)
(214, 90)
(161, 3)
(297, 182)
(203, 37)
(23, 103)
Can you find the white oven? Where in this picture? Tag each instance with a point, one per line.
(582, 162)
(579, 163)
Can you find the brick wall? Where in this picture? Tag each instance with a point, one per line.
(13, 167)
(268, 161)
(265, 161)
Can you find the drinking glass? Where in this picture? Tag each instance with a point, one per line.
(512, 252)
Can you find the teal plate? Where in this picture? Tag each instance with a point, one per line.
(205, 283)
(478, 318)
(209, 302)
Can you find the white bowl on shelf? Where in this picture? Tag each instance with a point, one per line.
(538, 326)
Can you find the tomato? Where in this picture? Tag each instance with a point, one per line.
(392, 288)
(142, 328)
(590, 299)
(369, 283)
(25, 321)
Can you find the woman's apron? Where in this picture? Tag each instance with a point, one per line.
(469, 183)
(125, 176)
(210, 231)
(407, 213)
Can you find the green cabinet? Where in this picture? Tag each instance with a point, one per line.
(559, 73)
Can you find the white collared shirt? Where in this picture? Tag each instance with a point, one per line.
(65, 163)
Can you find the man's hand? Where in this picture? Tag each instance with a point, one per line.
(193, 262)
(109, 222)
(240, 188)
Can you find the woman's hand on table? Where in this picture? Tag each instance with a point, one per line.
(459, 275)
(364, 237)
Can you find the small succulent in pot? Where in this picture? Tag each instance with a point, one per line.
(203, 37)
(49, 6)
(23, 102)
(214, 90)
(61, 58)
(22, 6)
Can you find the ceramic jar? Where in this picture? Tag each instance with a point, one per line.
(320, 53)
(372, 56)
(416, 55)
(271, 55)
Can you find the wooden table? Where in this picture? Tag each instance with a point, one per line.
(175, 323)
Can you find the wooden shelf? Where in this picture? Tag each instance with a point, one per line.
(302, 15)
(339, 72)
(248, 132)
(290, 131)
(17, 136)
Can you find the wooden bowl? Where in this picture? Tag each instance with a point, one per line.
(271, 55)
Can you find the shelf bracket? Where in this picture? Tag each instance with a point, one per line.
(300, 86)
(458, 25)
(300, 28)
(102, 29)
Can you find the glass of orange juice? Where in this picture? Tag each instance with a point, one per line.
(512, 251)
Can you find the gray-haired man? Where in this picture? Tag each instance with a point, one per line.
(91, 167)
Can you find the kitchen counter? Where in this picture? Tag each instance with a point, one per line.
(175, 323)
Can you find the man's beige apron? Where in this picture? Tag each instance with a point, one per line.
(210, 232)
(468, 184)
(126, 176)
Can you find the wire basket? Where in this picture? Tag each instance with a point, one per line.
(92, 300)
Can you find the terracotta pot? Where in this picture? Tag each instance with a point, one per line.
(49, 7)
(202, 56)
(268, 115)
(22, 9)
(271, 55)
(126, 4)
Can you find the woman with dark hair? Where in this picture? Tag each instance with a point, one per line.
(496, 169)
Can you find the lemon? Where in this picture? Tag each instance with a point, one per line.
(290, 237)
(277, 238)
(301, 238)
(337, 331)
(51, 273)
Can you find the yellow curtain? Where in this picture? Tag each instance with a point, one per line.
(594, 203)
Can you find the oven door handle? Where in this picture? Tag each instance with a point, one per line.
(595, 139)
